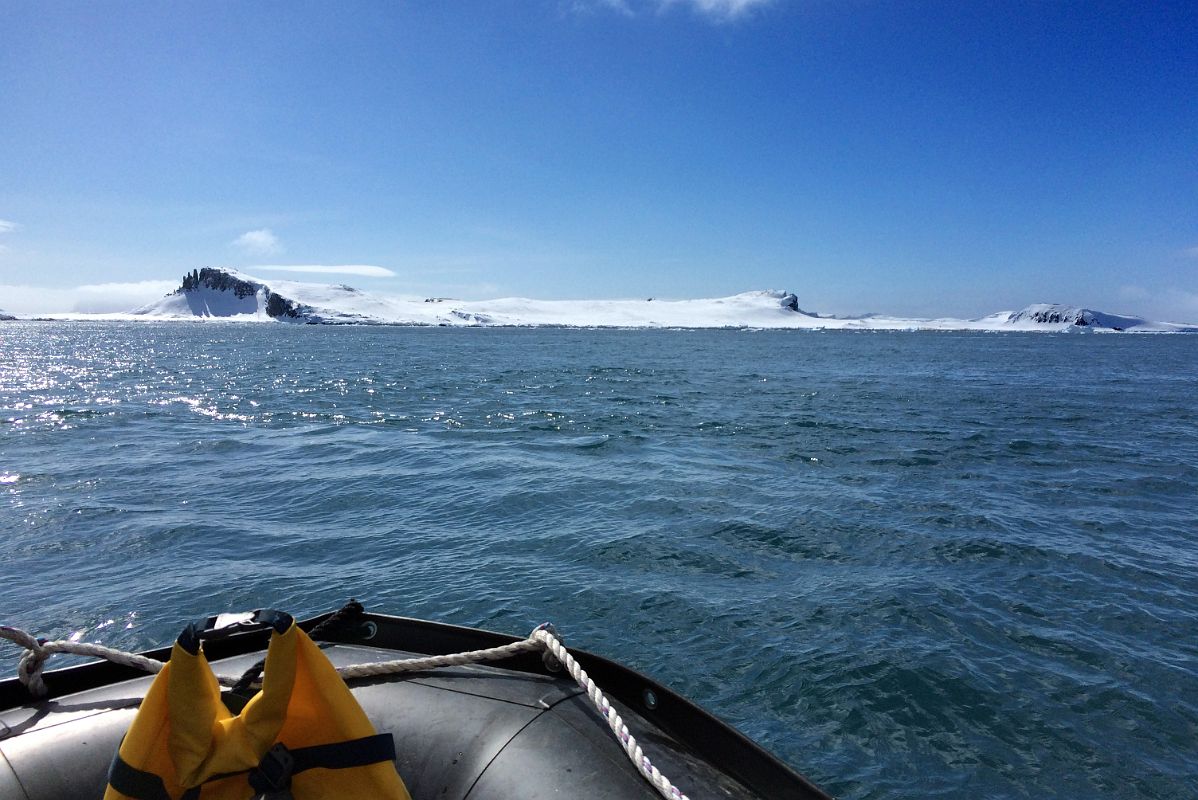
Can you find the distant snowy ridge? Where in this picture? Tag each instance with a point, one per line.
(1056, 314)
(213, 293)
(4, 315)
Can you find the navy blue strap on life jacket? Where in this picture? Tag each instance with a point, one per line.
(133, 782)
(274, 771)
(340, 755)
(273, 774)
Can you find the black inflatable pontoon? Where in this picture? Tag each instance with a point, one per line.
(512, 729)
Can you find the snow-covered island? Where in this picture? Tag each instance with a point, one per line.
(226, 294)
(5, 316)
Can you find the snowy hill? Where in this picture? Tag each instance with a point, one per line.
(1067, 316)
(227, 294)
(4, 316)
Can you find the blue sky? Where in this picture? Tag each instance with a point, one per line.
(910, 158)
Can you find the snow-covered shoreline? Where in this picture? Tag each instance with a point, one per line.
(232, 296)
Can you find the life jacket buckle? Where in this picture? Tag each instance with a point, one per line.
(222, 626)
(271, 779)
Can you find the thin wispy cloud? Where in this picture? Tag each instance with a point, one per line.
(261, 242)
(1167, 304)
(1192, 252)
(92, 298)
(716, 10)
(363, 270)
(619, 6)
(100, 298)
(7, 226)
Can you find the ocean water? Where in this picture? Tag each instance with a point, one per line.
(911, 564)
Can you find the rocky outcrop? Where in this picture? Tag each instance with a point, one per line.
(218, 280)
(1073, 317)
(279, 306)
(215, 292)
(1055, 314)
(790, 302)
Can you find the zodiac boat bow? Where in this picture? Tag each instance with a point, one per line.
(519, 727)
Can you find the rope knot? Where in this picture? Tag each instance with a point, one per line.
(29, 669)
(546, 634)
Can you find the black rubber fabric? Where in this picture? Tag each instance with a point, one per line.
(350, 612)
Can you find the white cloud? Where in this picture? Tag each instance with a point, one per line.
(1192, 252)
(1161, 304)
(99, 298)
(94, 298)
(7, 226)
(719, 10)
(1185, 302)
(261, 242)
(584, 6)
(364, 270)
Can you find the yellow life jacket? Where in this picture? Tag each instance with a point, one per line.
(303, 735)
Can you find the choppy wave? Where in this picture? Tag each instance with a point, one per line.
(943, 564)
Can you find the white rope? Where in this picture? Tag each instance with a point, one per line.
(29, 669)
(633, 750)
(432, 662)
(29, 672)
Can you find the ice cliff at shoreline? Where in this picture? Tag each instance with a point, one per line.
(213, 293)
